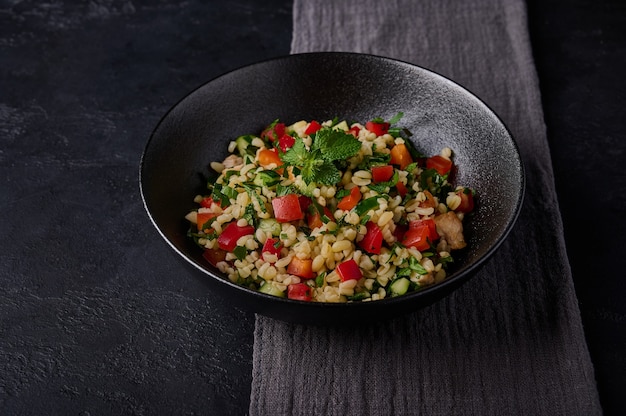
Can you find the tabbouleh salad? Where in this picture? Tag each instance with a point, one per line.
(331, 212)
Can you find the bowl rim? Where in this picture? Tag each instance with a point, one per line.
(457, 278)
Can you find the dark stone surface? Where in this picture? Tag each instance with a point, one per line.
(96, 314)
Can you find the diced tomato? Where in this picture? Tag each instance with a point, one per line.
(286, 142)
(421, 161)
(214, 255)
(354, 130)
(301, 267)
(373, 240)
(400, 156)
(299, 291)
(349, 201)
(272, 246)
(382, 173)
(377, 128)
(439, 163)
(287, 208)
(349, 270)
(207, 201)
(314, 218)
(433, 235)
(231, 233)
(203, 218)
(269, 156)
(313, 127)
(273, 132)
(467, 200)
(402, 190)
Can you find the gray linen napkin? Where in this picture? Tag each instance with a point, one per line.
(508, 342)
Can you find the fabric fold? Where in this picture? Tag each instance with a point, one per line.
(508, 342)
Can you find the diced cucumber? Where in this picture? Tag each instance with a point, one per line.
(297, 128)
(341, 126)
(266, 178)
(270, 289)
(270, 225)
(247, 159)
(399, 286)
(359, 296)
(305, 189)
(243, 145)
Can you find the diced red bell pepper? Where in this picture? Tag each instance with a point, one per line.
(314, 218)
(272, 246)
(428, 222)
(399, 231)
(382, 173)
(439, 163)
(214, 255)
(400, 156)
(301, 267)
(349, 201)
(354, 130)
(421, 234)
(305, 202)
(207, 202)
(467, 200)
(231, 233)
(373, 240)
(300, 291)
(312, 127)
(286, 142)
(273, 132)
(287, 208)
(402, 190)
(377, 128)
(417, 237)
(203, 218)
(349, 270)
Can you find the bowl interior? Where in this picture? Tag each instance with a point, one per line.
(322, 86)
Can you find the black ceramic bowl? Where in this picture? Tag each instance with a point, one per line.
(322, 86)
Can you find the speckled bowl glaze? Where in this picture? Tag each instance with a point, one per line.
(321, 86)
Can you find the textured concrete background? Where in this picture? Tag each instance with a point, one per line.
(96, 314)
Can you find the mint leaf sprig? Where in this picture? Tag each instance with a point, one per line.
(317, 164)
(335, 144)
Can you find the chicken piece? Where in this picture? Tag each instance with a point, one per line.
(232, 161)
(450, 228)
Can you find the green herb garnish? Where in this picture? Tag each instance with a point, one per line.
(416, 266)
(381, 187)
(317, 163)
(319, 280)
(240, 252)
(365, 205)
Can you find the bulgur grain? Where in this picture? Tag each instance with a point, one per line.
(242, 183)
